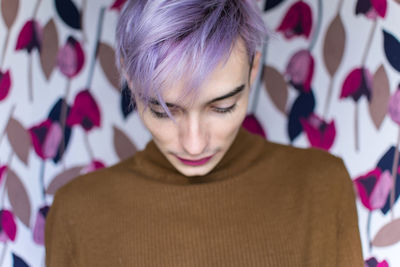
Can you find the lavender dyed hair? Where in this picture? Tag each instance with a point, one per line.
(162, 41)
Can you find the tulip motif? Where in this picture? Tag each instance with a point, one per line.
(357, 83)
(373, 188)
(320, 133)
(373, 262)
(8, 228)
(70, 58)
(84, 112)
(38, 229)
(93, 166)
(372, 8)
(252, 125)
(5, 84)
(30, 37)
(46, 138)
(297, 21)
(300, 70)
(394, 107)
(118, 5)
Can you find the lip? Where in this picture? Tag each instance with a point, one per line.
(198, 162)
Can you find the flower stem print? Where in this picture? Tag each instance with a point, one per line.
(83, 12)
(96, 49)
(317, 29)
(369, 231)
(3, 253)
(394, 175)
(88, 147)
(63, 116)
(41, 180)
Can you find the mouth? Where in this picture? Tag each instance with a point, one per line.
(198, 162)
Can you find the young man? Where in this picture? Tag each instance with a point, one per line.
(203, 192)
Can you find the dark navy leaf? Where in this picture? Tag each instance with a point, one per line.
(386, 164)
(363, 6)
(69, 13)
(54, 115)
(302, 108)
(128, 105)
(270, 4)
(18, 262)
(392, 50)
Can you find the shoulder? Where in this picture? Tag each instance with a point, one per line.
(91, 185)
(307, 166)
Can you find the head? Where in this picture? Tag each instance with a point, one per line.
(190, 65)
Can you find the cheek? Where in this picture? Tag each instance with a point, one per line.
(161, 131)
(225, 129)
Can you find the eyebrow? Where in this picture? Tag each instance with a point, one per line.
(234, 92)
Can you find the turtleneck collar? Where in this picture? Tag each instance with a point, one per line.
(243, 151)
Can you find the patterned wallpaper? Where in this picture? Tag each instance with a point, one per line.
(330, 80)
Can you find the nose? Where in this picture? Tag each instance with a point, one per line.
(193, 135)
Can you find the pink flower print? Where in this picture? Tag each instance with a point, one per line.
(357, 83)
(297, 21)
(373, 262)
(38, 229)
(5, 84)
(30, 37)
(118, 5)
(320, 133)
(94, 165)
(373, 188)
(372, 8)
(85, 111)
(394, 107)
(8, 228)
(46, 138)
(70, 58)
(300, 70)
(252, 125)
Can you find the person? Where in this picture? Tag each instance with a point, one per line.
(203, 192)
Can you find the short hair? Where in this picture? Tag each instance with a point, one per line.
(162, 41)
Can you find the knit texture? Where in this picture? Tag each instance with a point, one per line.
(264, 204)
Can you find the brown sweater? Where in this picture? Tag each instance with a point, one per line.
(263, 205)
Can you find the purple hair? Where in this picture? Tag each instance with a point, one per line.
(162, 41)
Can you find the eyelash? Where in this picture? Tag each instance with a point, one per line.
(164, 115)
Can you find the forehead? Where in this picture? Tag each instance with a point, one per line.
(229, 74)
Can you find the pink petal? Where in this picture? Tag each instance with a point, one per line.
(300, 69)
(352, 83)
(320, 134)
(380, 6)
(40, 223)
(394, 107)
(85, 111)
(94, 165)
(381, 190)
(361, 183)
(3, 172)
(25, 36)
(383, 264)
(30, 36)
(297, 21)
(70, 58)
(8, 224)
(52, 140)
(118, 4)
(38, 136)
(5, 84)
(252, 125)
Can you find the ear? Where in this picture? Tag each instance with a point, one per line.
(255, 67)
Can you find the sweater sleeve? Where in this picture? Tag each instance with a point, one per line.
(348, 236)
(59, 248)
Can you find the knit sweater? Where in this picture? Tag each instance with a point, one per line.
(264, 205)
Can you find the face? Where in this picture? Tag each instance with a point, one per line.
(204, 128)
